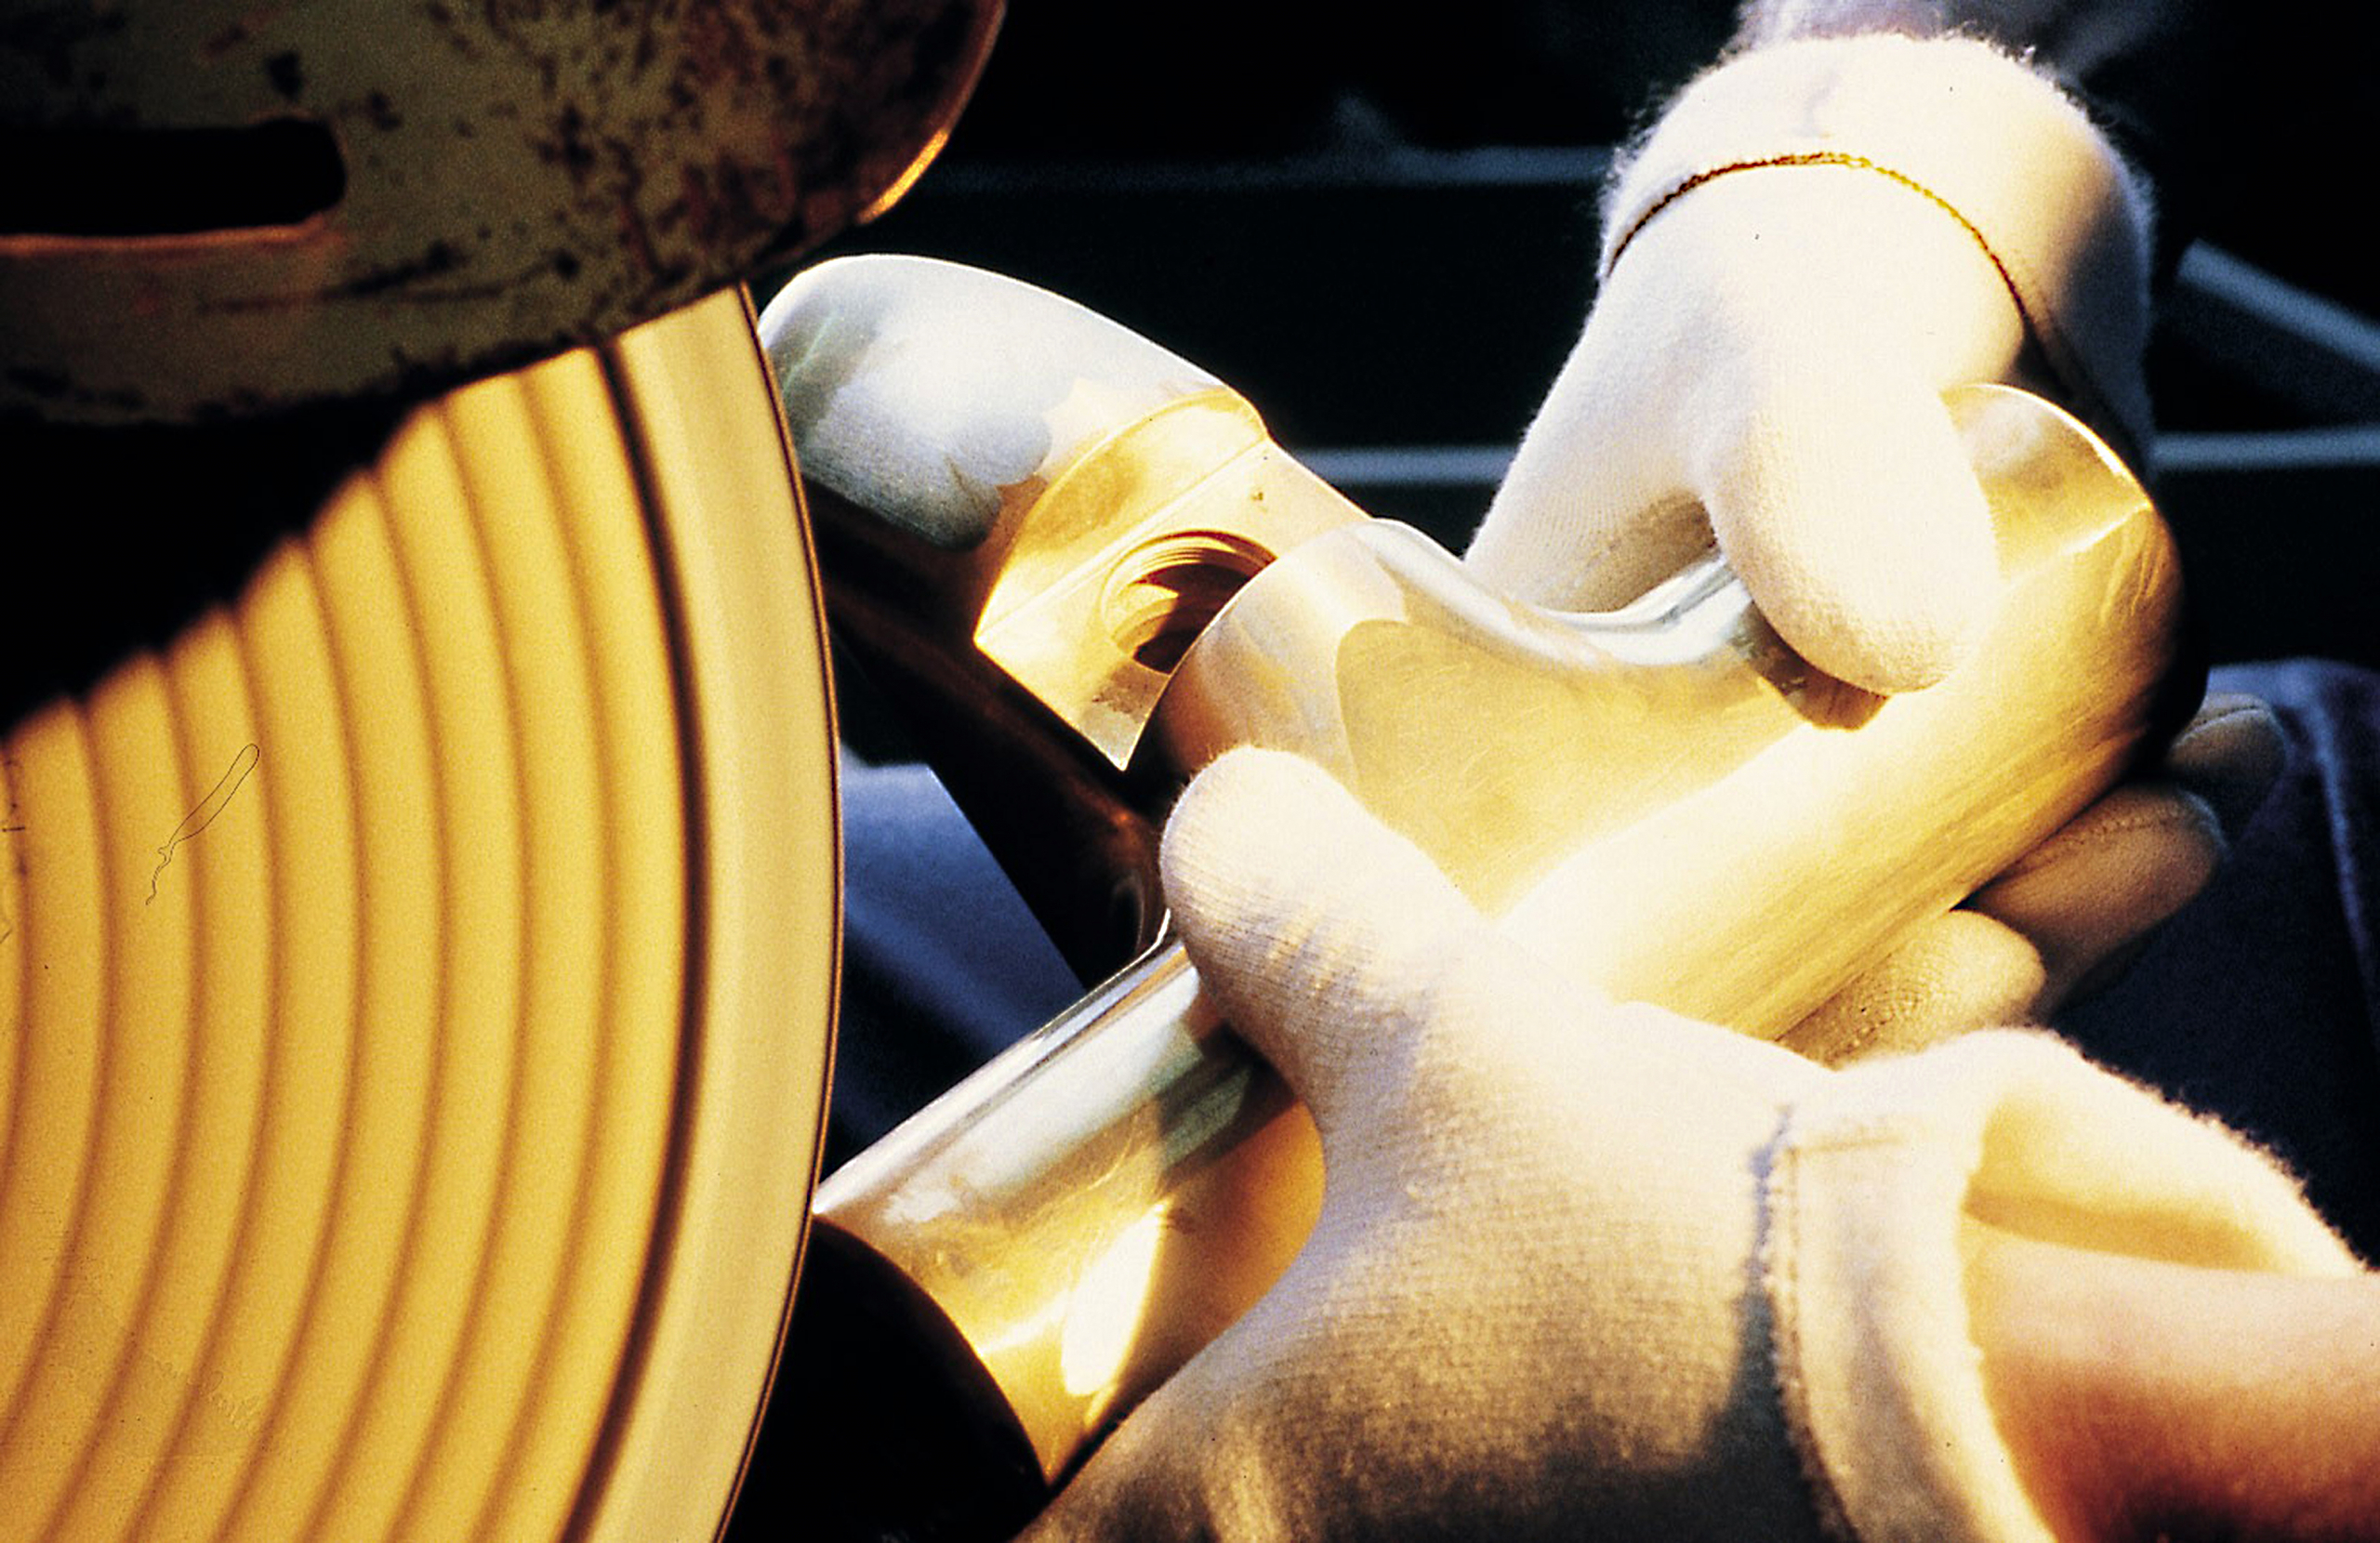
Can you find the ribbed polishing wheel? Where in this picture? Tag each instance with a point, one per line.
(414, 988)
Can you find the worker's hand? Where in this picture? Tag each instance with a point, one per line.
(1592, 1269)
(1766, 363)
(1814, 243)
(1525, 1302)
(2067, 917)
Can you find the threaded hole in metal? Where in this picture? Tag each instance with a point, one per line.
(1165, 592)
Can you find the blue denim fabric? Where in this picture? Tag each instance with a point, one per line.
(942, 965)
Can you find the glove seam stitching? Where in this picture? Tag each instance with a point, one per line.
(1780, 1260)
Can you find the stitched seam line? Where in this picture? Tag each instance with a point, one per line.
(1779, 1266)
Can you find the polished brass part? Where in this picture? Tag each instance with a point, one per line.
(1727, 799)
(1031, 661)
(1095, 1204)
(1090, 611)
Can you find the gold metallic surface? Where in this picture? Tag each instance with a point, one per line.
(1031, 661)
(1096, 1204)
(1089, 612)
(415, 984)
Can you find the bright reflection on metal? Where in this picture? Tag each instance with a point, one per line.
(1106, 1306)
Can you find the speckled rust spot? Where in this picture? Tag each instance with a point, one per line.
(519, 175)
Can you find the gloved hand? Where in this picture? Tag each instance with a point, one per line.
(1816, 241)
(1465, 1333)
(1592, 1269)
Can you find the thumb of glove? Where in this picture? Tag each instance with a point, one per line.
(1320, 932)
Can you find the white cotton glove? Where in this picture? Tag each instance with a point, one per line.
(1596, 1271)
(1814, 241)
(1527, 1208)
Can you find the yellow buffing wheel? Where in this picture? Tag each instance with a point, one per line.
(416, 986)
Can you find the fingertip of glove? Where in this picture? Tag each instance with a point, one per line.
(1324, 937)
(2101, 885)
(2229, 755)
(2138, 828)
(1868, 545)
(1961, 971)
(1890, 635)
(1894, 663)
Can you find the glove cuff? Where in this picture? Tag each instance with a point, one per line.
(1879, 1373)
(1995, 145)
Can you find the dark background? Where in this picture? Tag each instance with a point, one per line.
(1381, 227)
